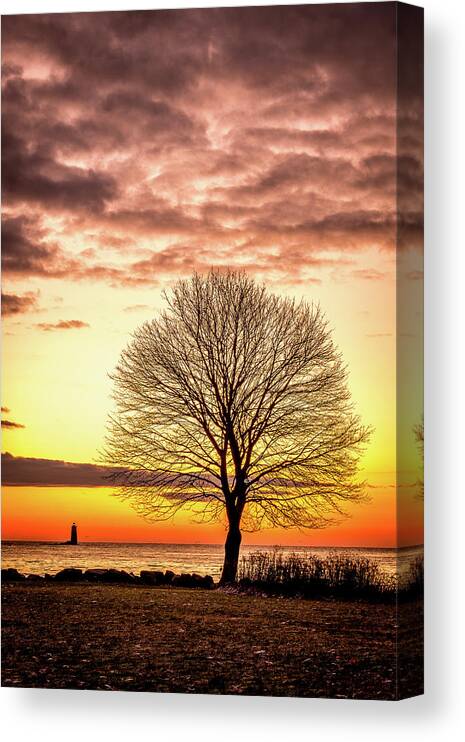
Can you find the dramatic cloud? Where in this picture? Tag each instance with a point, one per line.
(32, 175)
(15, 304)
(143, 145)
(64, 324)
(24, 253)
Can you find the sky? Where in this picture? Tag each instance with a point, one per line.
(141, 146)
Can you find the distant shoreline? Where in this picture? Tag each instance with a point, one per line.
(269, 547)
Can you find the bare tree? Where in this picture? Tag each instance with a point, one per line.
(234, 403)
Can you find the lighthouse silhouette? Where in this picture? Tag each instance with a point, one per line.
(74, 539)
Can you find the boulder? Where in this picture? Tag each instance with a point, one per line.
(169, 575)
(184, 580)
(152, 577)
(69, 574)
(193, 580)
(12, 575)
(118, 576)
(34, 578)
(208, 582)
(112, 576)
(203, 581)
(94, 575)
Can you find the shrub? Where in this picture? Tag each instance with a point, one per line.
(337, 576)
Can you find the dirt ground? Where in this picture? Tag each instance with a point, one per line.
(196, 641)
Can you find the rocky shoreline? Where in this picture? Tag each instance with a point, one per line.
(114, 576)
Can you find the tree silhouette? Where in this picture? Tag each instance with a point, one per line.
(234, 403)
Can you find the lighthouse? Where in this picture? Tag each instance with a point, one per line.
(73, 540)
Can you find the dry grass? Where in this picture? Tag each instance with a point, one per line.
(174, 640)
(335, 576)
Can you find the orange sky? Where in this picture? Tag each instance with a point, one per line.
(153, 144)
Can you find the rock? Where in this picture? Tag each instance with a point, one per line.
(34, 578)
(128, 578)
(94, 575)
(193, 581)
(197, 580)
(12, 575)
(150, 577)
(69, 574)
(208, 582)
(112, 576)
(169, 575)
(48, 578)
(203, 581)
(117, 576)
(184, 580)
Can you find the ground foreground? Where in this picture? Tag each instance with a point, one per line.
(113, 637)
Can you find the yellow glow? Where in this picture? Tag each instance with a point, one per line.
(57, 385)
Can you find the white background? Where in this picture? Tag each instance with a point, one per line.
(91, 715)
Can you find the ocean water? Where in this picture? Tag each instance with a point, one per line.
(33, 557)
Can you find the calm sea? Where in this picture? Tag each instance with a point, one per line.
(33, 557)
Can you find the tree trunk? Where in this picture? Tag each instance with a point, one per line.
(231, 555)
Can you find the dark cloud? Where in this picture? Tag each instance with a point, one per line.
(64, 324)
(5, 409)
(170, 140)
(161, 218)
(24, 251)
(18, 470)
(108, 47)
(10, 425)
(163, 123)
(295, 170)
(18, 304)
(30, 174)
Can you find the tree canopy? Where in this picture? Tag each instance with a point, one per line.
(234, 402)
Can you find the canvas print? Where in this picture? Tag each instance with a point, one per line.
(212, 410)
